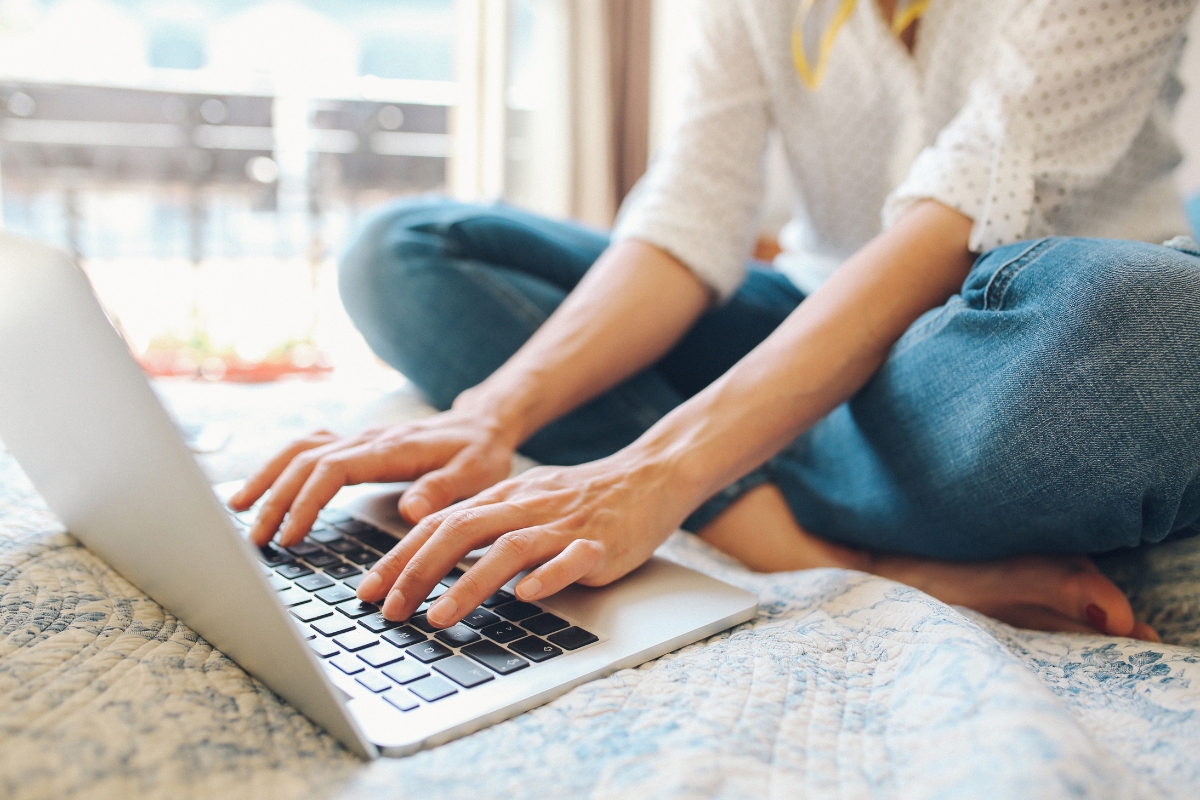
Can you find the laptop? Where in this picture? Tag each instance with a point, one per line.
(82, 420)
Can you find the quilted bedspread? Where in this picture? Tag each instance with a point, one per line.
(845, 685)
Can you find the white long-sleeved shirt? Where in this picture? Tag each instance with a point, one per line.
(1031, 117)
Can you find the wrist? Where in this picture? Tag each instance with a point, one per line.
(501, 411)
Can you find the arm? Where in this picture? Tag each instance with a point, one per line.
(595, 522)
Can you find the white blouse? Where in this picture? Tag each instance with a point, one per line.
(1031, 117)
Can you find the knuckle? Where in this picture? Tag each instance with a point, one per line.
(517, 545)
(468, 585)
(458, 524)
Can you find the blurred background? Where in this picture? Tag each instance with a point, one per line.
(206, 159)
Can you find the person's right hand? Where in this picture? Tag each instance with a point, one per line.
(449, 456)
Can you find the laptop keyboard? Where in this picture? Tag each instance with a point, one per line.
(409, 663)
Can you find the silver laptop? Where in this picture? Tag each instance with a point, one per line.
(83, 422)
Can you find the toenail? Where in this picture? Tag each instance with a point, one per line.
(1097, 618)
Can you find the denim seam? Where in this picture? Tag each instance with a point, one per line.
(997, 285)
(512, 299)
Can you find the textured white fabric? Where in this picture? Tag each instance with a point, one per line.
(1032, 117)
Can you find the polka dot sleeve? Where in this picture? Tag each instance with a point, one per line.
(1070, 86)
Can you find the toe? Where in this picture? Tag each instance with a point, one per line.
(1144, 632)
(1093, 598)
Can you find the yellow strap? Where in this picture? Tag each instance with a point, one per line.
(812, 70)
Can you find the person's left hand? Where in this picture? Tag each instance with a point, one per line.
(590, 524)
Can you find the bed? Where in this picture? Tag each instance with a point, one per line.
(845, 685)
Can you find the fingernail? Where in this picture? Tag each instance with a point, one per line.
(418, 507)
(370, 586)
(1097, 618)
(393, 604)
(441, 612)
(529, 589)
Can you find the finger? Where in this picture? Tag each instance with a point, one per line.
(258, 483)
(577, 560)
(461, 531)
(509, 554)
(463, 476)
(285, 488)
(381, 577)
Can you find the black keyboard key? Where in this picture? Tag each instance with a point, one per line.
(457, 635)
(381, 655)
(353, 581)
(495, 657)
(419, 621)
(353, 526)
(403, 637)
(307, 612)
(544, 624)
(377, 624)
(293, 571)
(437, 591)
(305, 549)
(432, 688)
(573, 638)
(342, 545)
(479, 618)
(336, 594)
(277, 583)
(322, 559)
(342, 571)
(359, 556)
(273, 556)
(333, 516)
(323, 647)
(376, 683)
(377, 540)
(426, 652)
(406, 671)
(347, 664)
(355, 640)
(498, 599)
(535, 649)
(332, 626)
(313, 583)
(464, 672)
(517, 611)
(355, 608)
(292, 596)
(403, 701)
(503, 632)
(324, 535)
(454, 575)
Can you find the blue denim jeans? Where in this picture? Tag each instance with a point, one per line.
(1052, 406)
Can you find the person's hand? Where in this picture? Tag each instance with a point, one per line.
(586, 524)
(450, 456)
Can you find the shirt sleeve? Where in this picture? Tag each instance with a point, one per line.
(1071, 85)
(701, 198)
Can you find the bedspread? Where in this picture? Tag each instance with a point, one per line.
(845, 685)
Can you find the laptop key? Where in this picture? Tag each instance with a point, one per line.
(277, 583)
(457, 635)
(322, 559)
(342, 571)
(347, 664)
(292, 596)
(376, 683)
(355, 640)
(353, 526)
(376, 623)
(464, 672)
(517, 610)
(432, 689)
(272, 556)
(498, 599)
(324, 535)
(543, 624)
(335, 594)
(377, 540)
(293, 571)
(382, 655)
(355, 608)
(406, 671)
(403, 701)
(535, 649)
(353, 581)
(305, 549)
(503, 632)
(437, 591)
(495, 657)
(307, 612)
(403, 637)
(312, 583)
(454, 575)
(573, 638)
(425, 652)
(341, 545)
(419, 621)
(480, 618)
(332, 626)
(323, 647)
(359, 555)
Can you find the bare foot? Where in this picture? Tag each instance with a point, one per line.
(1050, 593)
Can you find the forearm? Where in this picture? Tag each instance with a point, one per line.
(633, 305)
(818, 358)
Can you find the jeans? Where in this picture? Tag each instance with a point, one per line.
(1051, 406)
